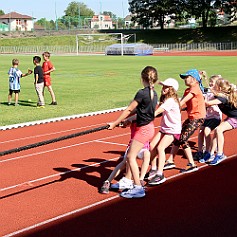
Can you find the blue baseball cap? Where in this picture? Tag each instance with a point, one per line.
(195, 74)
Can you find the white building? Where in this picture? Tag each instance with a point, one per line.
(101, 22)
(17, 21)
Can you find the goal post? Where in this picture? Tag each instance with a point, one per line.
(97, 43)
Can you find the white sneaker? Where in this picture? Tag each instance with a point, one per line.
(123, 183)
(136, 192)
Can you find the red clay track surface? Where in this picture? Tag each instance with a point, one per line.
(52, 190)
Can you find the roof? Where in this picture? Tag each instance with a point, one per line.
(15, 15)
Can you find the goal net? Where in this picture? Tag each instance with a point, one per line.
(97, 43)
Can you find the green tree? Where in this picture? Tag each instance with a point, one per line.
(75, 12)
(1, 12)
(151, 13)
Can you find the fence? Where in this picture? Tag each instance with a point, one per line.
(67, 49)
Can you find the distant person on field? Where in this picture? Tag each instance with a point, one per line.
(14, 80)
(39, 81)
(47, 69)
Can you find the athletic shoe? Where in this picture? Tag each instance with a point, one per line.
(169, 165)
(151, 174)
(207, 157)
(105, 187)
(135, 192)
(218, 159)
(40, 106)
(122, 184)
(158, 179)
(198, 156)
(189, 168)
(54, 103)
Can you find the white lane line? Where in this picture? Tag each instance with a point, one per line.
(85, 208)
(60, 217)
(55, 175)
(60, 148)
(49, 134)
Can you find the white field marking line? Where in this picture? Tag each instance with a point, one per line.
(60, 217)
(85, 208)
(62, 173)
(55, 175)
(112, 143)
(60, 148)
(48, 134)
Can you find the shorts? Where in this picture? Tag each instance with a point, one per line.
(47, 81)
(13, 91)
(211, 123)
(176, 136)
(232, 122)
(144, 133)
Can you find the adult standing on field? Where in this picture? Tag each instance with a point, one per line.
(48, 67)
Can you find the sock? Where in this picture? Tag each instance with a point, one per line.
(137, 186)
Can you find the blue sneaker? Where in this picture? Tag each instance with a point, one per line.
(136, 192)
(207, 157)
(218, 159)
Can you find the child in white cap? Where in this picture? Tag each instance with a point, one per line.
(170, 129)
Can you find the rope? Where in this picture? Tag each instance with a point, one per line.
(30, 146)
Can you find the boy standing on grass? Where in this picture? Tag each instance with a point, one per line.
(14, 81)
(47, 69)
(39, 81)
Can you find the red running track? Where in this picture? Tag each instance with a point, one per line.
(53, 190)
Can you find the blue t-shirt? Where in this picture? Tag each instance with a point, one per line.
(14, 78)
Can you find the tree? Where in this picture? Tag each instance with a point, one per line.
(74, 12)
(150, 13)
(1, 12)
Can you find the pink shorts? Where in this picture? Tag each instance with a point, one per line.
(232, 122)
(145, 133)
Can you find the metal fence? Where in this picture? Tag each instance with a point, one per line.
(71, 49)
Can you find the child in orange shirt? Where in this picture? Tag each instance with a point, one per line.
(196, 109)
(47, 69)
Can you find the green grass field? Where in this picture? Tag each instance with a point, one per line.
(92, 83)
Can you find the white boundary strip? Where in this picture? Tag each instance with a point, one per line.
(60, 119)
(85, 208)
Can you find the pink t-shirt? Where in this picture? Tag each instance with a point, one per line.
(212, 111)
(171, 117)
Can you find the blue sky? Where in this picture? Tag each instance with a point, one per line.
(46, 8)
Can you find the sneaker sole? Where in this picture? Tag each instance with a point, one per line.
(169, 167)
(156, 183)
(189, 171)
(132, 196)
(218, 162)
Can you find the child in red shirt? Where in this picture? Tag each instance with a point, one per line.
(47, 69)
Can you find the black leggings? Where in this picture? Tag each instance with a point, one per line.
(188, 128)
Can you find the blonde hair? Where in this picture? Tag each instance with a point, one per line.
(227, 90)
(215, 77)
(149, 74)
(172, 93)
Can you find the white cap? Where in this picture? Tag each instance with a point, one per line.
(170, 82)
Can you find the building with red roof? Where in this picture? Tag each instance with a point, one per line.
(17, 21)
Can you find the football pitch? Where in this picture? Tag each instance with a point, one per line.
(91, 83)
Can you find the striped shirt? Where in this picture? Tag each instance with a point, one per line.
(14, 78)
